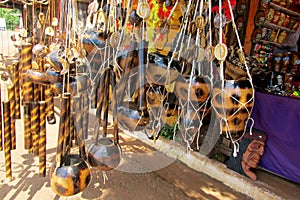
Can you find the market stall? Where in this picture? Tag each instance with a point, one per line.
(150, 65)
(279, 118)
(272, 38)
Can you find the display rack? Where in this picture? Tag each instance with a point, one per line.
(270, 25)
(252, 25)
(285, 10)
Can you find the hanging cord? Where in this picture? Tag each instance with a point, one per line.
(240, 46)
(106, 48)
(185, 27)
(167, 73)
(182, 30)
(200, 14)
(222, 93)
(221, 72)
(101, 67)
(245, 63)
(186, 136)
(105, 177)
(201, 109)
(210, 42)
(42, 35)
(68, 39)
(221, 40)
(117, 50)
(193, 64)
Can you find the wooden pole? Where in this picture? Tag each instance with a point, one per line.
(72, 126)
(61, 138)
(26, 59)
(115, 107)
(1, 119)
(49, 105)
(7, 138)
(250, 26)
(67, 139)
(36, 92)
(34, 121)
(79, 125)
(100, 95)
(85, 107)
(106, 104)
(16, 82)
(27, 125)
(141, 71)
(42, 139)
(11, 98)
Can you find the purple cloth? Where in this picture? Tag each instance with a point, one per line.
(279, 118)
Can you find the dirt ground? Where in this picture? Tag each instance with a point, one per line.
(144, 173)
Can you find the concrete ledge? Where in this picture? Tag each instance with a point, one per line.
(213, 168)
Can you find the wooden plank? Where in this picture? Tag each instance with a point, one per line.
(250, 26)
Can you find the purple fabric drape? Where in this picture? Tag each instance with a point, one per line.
(279, 118)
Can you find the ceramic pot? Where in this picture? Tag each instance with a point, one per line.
(199, 88)
(233, 103)
(131, 118)
(104, 154)
(72, 177)
(157, 71)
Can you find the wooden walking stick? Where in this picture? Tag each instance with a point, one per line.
(94, 99)
(1, 119)
(42, 139)
(105, 154)
(78, 118)
(134, 118)
(34, 121)
(103, 102)
(7, 138)
(78, 126)
(11, 98)
(49, 105)
(85, 107)
(70, 174)
(36, 92)
(72, 121)
(60, 142)
(106, 104)
(16, 82)
(27, 129)
(100, 95)
(72, 125)
(115, 108)
(42, 68)
(26, 59)
(67, 98)
(141, 71)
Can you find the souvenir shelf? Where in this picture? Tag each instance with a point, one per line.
(285, 10)
(255, 23)
(273, 43)
(272, 26)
